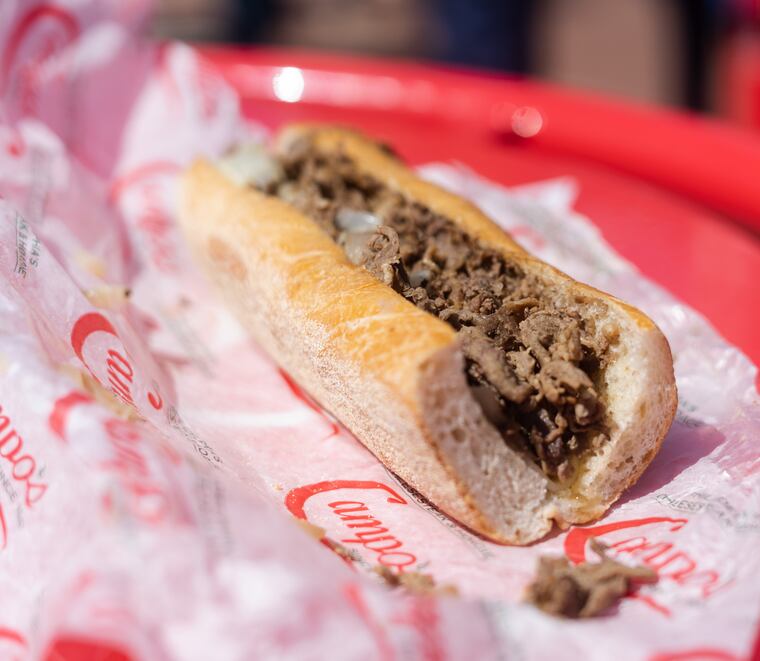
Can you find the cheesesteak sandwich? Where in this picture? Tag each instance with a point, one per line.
(502, 390)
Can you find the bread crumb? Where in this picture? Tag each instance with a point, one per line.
(345, 552)
(109, 297)
(585, 590)
(313, 531)
(319, 533)
(85, 381)
(90, 263)
(413, 581)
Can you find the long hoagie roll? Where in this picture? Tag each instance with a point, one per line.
(506, 393)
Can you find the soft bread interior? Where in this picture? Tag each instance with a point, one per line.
(395, 375)
(509, 491)
(641, 401)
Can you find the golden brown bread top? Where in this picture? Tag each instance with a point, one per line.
(358, 311)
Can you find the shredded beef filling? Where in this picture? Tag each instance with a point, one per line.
(531, 366)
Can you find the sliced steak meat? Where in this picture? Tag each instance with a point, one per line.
(531, 366)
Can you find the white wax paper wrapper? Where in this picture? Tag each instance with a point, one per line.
(170, 535)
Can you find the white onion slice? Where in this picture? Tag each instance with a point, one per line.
(251, 165)
(355, 245)
(353, 221)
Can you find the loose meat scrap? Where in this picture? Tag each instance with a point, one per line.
(415, 582)
(584, 590)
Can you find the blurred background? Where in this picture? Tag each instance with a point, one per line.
(694, 54)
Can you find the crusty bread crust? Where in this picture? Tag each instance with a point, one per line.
(392, 373)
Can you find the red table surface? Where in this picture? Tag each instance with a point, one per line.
(677, 195)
